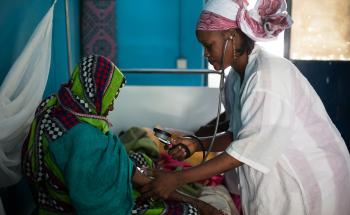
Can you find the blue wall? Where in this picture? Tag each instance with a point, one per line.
(18, 19)
(150, 34)
(154, 34)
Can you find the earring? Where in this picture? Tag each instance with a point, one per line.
(234, 47)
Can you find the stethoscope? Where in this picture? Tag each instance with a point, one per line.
(164, 136)
(221, 89)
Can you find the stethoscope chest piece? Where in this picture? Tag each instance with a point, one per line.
(162, 136)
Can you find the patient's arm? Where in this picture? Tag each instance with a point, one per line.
(221, 142)
(203, 207)
(209, 128)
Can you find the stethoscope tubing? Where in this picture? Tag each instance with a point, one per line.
(221, 89)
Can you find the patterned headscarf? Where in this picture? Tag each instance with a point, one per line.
(264, 22)
(94, 85)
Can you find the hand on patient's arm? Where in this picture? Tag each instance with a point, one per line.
(177, 150)
(178, 153)
(138, 179)
(166, 183)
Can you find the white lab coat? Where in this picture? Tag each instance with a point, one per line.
(295, 160)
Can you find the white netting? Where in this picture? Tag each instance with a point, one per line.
(20, 93)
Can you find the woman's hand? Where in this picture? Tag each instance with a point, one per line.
(162, 185)
(178, 150)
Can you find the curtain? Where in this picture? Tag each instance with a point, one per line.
(20, 94)
(98, 28)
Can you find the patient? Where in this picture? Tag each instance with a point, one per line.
(73, 163)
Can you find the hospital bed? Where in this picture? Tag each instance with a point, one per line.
(181, 107)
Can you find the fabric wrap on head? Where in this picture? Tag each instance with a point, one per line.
(264, 22)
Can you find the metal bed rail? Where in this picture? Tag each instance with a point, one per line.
(169, 71)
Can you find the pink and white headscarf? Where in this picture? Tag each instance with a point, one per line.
(264, 22)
